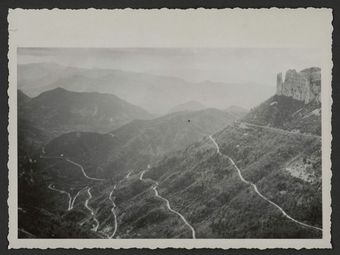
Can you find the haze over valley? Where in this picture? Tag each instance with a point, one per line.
(113, 153)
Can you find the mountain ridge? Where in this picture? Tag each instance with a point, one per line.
(188, 106)
(59, 111)
(155, 93)
(139, 142)
(226, 177)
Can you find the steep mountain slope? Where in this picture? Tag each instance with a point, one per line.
(74, 161)
(22, 98)
(181, 176)
(289, 114)
(157, 94)
(296, 106)
(258, 178)
(206, 188)
(201, 183)
(30, 137)
(188, 106)
(237, 111)
(60, 111)
(138, 143)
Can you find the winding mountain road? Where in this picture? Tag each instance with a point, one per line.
(193, 232)
(70, 204)
(128, 175)
(281, 131)
(141, 175)
(28, 234)
(258, 192)
(154, 187)
(73, 163)
(93, 215)
(113, 212)
(75, 197)
(83, 171)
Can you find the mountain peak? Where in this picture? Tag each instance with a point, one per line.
(303, 86)
(55, 92)
(188, 106)
(60, 111)
(22, 97)
(58, 89)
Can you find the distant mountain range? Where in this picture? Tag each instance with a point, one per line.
(188, 106)
(156, 94)
(254, 176)
(60, 111)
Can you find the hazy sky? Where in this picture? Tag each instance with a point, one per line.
(229, 65)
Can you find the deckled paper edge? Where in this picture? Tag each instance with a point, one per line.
(325, 242)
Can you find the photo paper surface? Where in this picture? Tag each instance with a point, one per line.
(194, 128)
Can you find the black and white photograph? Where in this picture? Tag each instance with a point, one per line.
(123, 143)
(222, 143)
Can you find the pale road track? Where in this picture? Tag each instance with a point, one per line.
(128, 175)
(282, 131)
(83, 171)
(258, 192)
(86, 204)
(154, 187)
(141, 175)
(27, 233)
(71, 200)
(75, 197)
(114, 213)
(193, 232)
(74, 163)
(51, 187)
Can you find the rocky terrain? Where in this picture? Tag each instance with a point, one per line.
(296, 105)
(188, 174)
(303, 86)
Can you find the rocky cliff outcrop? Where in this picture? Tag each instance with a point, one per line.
(303, 86)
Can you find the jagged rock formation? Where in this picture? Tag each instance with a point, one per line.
(303, 86)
